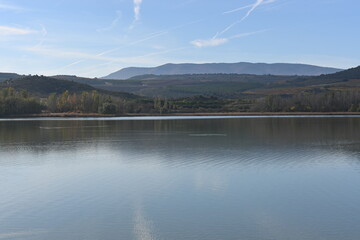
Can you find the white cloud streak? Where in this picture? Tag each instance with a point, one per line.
(9, 31)
(10, 7)
(257, 3)
(137, 16)
(213, 42)
(137, 8)
(113, 24)
(247, 6)
(248, 13)
(146, 59)
(146, 38)
(238, 9)
(49, 51)
(241, 35)
(153, 35)
(149, 37)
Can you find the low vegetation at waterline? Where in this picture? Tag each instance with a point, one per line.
(334, 101)
(13, 103)
(214, 93)
(18, 102)
(94, 102)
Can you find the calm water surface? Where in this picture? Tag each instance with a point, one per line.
(172, 179)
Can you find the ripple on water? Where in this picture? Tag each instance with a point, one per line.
(251, 178)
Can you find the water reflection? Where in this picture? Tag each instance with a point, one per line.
(247, 178)
(178, 141)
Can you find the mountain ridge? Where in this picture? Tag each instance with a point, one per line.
(283, 69)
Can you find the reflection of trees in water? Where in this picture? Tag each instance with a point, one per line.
(180, 135)
(34, 132)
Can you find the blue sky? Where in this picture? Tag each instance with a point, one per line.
(94, 38)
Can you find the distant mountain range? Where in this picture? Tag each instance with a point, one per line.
(231, 85)
(225, 68)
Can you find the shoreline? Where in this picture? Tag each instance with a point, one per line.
(97, 115)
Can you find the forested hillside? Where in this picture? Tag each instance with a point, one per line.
(172, 86)
(43, 86)
(199, 93)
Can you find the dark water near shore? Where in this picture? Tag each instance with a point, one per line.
(175, 179)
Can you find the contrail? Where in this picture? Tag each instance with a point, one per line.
(238, 9)
(247, 6)
(153, 35)
(248, 13)
(258, 3)
(219, 41)
(150, 36)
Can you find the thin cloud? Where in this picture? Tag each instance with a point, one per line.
(9, 31)
(146, 38)
(153, 35)
(72, 64)
(247, 6)
(248, 34)
(113, 24)
(257, 3)
(43, 32)
(213, 42)
(62, 53)
(8, 7)
(147, 59)
(248, 13)
(137, 7)
(66, 54)
(238, 9)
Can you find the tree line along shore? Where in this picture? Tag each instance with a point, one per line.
(95, 104)
(198, 94)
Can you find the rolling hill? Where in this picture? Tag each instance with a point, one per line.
(7, 76)
(340, 81)
(188, 85)
(173, 86)
(225, 85)
(43, 86)
(234, 85)
(226, 68)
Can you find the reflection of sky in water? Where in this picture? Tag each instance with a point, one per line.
(265, 178)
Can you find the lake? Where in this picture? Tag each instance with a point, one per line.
(180, 178)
